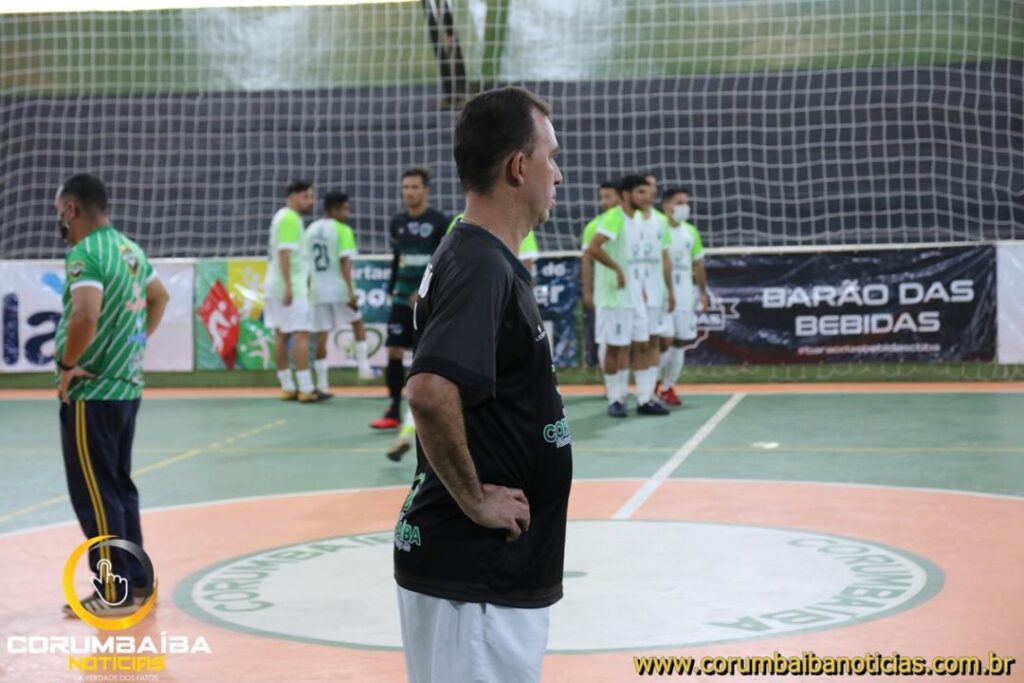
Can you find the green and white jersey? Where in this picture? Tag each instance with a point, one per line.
(108, 260)
(636, 244)
(286, 233)
(648, 239)
(327, 241)
(528, 248)
(685, 249)
(591, 229)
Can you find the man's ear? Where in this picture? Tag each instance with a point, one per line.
(516, 168)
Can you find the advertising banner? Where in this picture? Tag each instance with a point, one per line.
(878, 306)
(230, 333)
(31, 306)
(557, 289)
(1010, 275)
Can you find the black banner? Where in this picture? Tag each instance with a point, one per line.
(557, 289)
(893, 305)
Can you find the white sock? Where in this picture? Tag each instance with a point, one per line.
(602, 351)
(664, 364)
(305, 380)
(611, 387)
(623, 377)
(285, 378)
(361, 358)
(675, 367)
(320, 365)
(645, 380)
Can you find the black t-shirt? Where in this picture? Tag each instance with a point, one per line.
(413, 241)
(478, 326)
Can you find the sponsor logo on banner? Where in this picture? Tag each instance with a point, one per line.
(31, 306)
(887, 305)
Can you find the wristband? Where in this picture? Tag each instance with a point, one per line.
(65, 368)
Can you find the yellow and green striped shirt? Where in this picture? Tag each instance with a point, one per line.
(110, 261)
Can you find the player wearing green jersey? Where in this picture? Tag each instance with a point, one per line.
(331, 246)
(113, 302)
(594, 352)
(632, 242)
(287, 292)
(680, 327)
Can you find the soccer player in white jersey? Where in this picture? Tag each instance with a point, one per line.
(594, 348)
(331, 245)
(631, 242)
(286, 288)
(687, 255)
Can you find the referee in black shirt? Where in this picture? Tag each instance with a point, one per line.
(480, 540)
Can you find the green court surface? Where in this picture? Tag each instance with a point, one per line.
(207, 449)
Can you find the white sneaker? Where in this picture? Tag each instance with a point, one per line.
(367, 373)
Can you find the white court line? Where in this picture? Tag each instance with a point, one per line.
(677, 459)
(603, 480)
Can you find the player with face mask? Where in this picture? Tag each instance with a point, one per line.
(679, 327)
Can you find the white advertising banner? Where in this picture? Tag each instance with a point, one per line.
(1010, 316)
(30, 308)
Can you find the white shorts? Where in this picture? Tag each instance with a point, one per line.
(327, 317)
(654, 320)
(287, 319)
(621, 326)
(680, 324)
(448, 642)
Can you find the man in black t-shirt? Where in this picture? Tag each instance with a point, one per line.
(414, 235)
(480, 540)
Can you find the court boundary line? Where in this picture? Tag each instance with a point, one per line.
(404, 487)
(677, 459)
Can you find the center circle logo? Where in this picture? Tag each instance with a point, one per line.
(629, 584)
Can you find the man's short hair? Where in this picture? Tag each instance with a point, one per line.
(610, 185)
(334, 200)
(88, 190)
(672, 192)
(296, 186)
(422, 173)
(628, 183)
(491, 126)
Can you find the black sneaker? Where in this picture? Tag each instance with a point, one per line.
(617, 409)
(652, 408)
(323, 395)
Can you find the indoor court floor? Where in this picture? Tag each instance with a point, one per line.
(834, 519)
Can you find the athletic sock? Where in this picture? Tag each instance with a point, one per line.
(320, 365)
(611, 387)
(395, 379)
(361, 357)
(623, 378)
(645, 380)
(408, 425)
(305, 380)
(664, 364)
(675, 367)
(285, 378)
